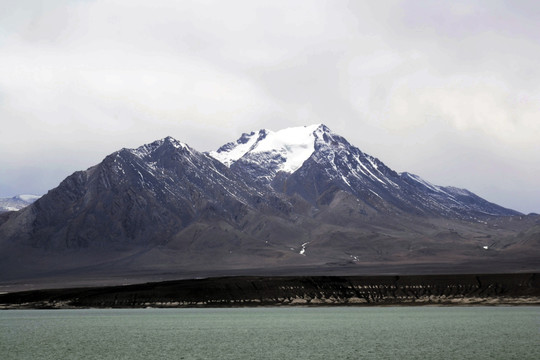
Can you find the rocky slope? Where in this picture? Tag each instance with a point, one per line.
(299, 198)
(312, 161)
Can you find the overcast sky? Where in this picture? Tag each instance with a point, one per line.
(449, 90)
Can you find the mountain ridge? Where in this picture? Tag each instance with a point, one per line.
(343, 164)
(294, 199)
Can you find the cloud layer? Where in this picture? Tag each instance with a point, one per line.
(448, 90)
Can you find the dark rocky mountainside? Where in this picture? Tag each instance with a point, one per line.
(289, 200)
(333, 164)
(141, 196)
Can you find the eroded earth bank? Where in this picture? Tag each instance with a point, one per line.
(493, 289)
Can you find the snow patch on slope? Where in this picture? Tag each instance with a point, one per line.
(28, 198)
(292, 145)
(145, 150)
(295, 145)
(17, 202)
(423, 182)
(231, 152)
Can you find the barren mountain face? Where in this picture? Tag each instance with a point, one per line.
(298, 200)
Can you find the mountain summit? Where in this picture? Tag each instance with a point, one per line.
(313, 160)
(286, 201)
(284, 150)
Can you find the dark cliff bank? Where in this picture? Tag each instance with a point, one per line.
(490, 289)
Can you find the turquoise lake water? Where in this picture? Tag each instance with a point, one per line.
(273, 333)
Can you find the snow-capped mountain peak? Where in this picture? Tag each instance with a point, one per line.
(294, 145)
(17, 202)
(147, 149)
(231, 152)
(267, 153)
(286, 149)
(310, 160)
(27, 197)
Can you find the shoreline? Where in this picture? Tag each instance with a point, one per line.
(309, 291)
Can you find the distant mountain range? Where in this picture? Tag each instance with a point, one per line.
(296, 200)
(16, 202)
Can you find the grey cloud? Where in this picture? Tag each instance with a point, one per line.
(448, 90)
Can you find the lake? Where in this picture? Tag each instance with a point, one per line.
(273, 333)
